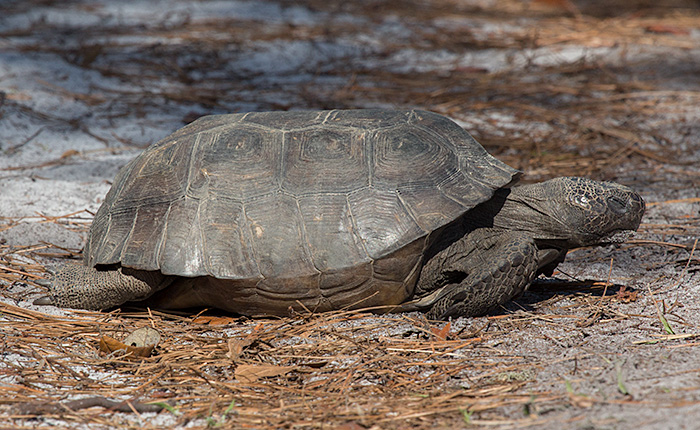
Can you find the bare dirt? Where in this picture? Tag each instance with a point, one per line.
(608, 90)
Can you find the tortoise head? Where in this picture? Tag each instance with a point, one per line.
(595, 212)
(570, 212)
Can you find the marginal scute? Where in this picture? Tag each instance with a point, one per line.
(465, 190)
(182, 251)
(398, 265)
(142, 247)
(117, 231)
(347, 283)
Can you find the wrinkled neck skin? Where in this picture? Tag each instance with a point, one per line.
(525, 208)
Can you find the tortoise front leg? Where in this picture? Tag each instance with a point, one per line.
(478, 273)
(82, 287)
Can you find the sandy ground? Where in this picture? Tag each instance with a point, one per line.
(553, 88)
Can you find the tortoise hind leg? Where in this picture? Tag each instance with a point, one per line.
(83, 287)
(478, 273)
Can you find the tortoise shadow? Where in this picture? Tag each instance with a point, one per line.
(544, 289)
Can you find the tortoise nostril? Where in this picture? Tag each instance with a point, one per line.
(617, 204)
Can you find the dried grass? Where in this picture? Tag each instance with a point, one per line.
(333, 369)
(338, 369)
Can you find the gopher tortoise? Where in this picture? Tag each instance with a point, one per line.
(268, 213)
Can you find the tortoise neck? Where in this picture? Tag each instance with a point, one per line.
(524, 208)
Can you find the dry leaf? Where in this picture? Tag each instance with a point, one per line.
(69, 153)
(441, 333)
(626, 296)
(237, 345)
(253, 372)
(139, 343)
(110, 345)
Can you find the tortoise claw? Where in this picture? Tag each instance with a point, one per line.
(44, 301)
(43, 282)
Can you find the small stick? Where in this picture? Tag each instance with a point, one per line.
(41, 408)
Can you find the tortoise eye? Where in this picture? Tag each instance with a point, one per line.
(581, 200)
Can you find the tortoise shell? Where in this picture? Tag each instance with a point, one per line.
(295, 206)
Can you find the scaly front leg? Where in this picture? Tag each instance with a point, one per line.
(478, 273)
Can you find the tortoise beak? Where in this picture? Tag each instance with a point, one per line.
(630, 208)
(635, 207)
